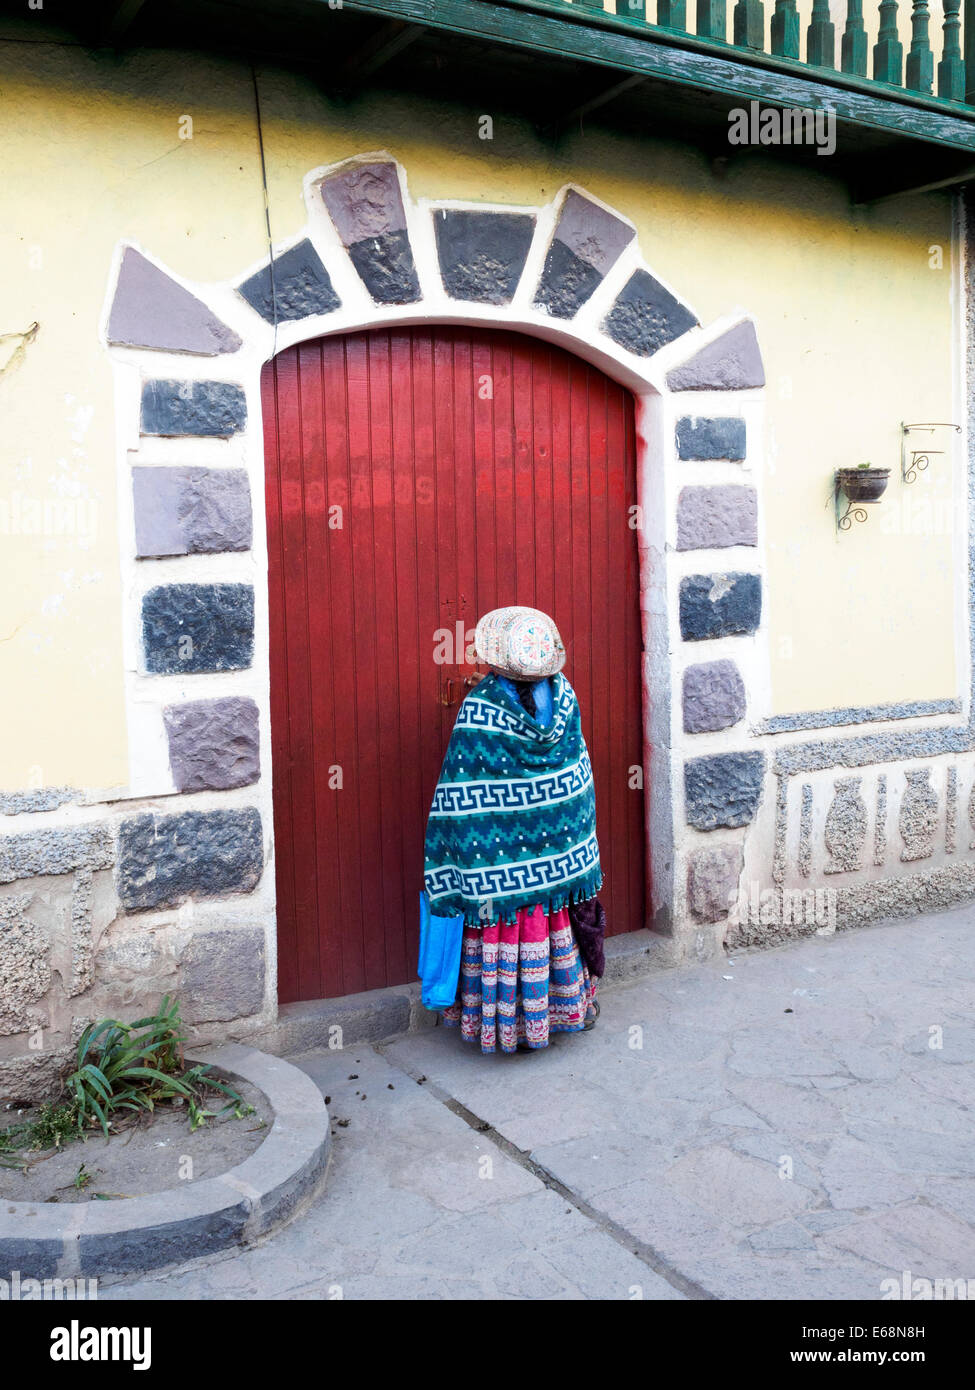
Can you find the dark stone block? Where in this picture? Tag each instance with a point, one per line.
(646, 317)
(732, 362)
(211, 409)
(386, 268)
(301, 286)
(723, 790)
(163, 860)
(482, 254)
(150, 310)
(719, 605)
(713, 697)
(213, 744)
(189, 511)
(701, 438)
(189, 628)
(222, 975)
(567, 281)
(30, 1258)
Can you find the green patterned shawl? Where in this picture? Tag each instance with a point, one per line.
(513, 820)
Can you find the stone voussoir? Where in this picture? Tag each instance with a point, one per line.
(482, 254)
(646, 316)
(294, 286)
(366, 205)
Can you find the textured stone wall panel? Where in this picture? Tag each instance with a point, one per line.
(222, 975)
(712, 882)
(150, 310)
(187, 511)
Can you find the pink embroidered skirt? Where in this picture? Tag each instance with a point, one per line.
(521, 981)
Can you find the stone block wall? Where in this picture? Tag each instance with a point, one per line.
(110, 897)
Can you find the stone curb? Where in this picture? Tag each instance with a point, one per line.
(85, 1239)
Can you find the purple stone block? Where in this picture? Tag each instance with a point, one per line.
(732, 362)
(710, 518)
(150, 310)
(213, 744)
(713, 696)
(592, 233)
(365, 201)
(191, 511)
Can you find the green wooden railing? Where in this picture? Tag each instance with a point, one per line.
(781, 36)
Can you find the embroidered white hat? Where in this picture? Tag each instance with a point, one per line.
(519, 642)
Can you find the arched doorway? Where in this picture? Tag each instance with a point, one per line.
(416, 477)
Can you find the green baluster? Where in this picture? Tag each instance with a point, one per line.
(888, 52)
(919, 75)
(592, 4)
(750, 24)
(711, 19)
(854, 44)
(672, 14)
(951, 69)
(785, 29)
(631, 9)
(821, 37)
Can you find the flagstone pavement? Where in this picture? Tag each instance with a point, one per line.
(793, 1123)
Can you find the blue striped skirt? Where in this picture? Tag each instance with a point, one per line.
(521, 981)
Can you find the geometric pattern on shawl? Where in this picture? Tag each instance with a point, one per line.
(513, 819)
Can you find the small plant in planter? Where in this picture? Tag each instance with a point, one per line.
(863, 483)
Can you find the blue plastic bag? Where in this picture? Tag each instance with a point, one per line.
(439, 965)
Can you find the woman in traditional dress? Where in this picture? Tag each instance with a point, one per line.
(511, 857)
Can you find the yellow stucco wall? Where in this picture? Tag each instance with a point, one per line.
(854, 324)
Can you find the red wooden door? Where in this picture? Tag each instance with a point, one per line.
(417, 477)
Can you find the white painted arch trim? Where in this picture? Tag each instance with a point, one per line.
(659, 479)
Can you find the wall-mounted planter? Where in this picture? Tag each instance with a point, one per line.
(858, 486)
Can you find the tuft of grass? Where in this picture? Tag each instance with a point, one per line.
(135, 1066)
(122, 1067)
(54, 1125)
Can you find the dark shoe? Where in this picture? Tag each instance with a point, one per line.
(591, 1022)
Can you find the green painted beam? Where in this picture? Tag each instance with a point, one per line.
(631, 46)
